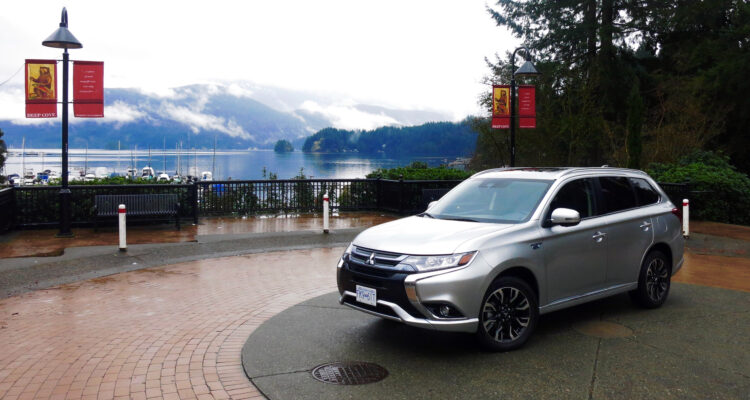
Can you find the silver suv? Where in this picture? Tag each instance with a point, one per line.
(508, 245)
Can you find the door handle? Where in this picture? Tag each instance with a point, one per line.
(599, 237)
(645, 225)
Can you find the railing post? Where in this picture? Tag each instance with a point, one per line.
(14, 207)
(401, 194)
(195, 203)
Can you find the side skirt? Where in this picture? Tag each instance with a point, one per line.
(585, 298)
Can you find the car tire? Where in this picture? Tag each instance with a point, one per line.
(506, 321)
(654, 281)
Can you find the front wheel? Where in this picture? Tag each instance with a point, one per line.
(653, 282)
(508, 316)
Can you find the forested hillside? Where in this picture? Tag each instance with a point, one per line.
(430, 139)
(627, 83)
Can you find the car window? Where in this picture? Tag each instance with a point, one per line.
(645, 193)
(577, 195)
(492, 200)
(617, 193)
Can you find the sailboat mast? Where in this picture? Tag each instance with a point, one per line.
(213, 162)
(118, 157)
(86, 161)
(164, 154)
(23, 157)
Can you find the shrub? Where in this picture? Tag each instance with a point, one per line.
(420, 171)
(721, 193)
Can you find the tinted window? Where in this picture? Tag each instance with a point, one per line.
(645, 193)
(577, 195)
(617, 193)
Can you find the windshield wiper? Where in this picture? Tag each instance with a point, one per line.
(461, 219)
(426, 214)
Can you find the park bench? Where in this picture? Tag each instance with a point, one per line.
(137, 205)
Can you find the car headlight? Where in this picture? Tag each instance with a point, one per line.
(345, 256)
(432, 263)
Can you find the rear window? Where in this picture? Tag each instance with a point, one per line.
(618, 194)
(645, 193)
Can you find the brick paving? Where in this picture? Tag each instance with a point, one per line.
(166, 332)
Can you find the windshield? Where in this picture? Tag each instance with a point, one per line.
(492, 200)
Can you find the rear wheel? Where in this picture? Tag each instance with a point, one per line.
(654, 281)
(508, 316)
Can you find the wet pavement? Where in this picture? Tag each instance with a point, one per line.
(176, 328)
(608, 349)
(43, 243)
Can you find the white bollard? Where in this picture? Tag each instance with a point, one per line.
(123, 242)
(685, 217)
(325, 213)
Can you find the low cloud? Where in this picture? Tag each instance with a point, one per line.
(239, 91)
(198, 121)
(346, 116)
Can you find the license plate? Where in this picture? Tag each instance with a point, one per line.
(367, 295)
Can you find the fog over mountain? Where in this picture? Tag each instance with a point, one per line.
(237, 115)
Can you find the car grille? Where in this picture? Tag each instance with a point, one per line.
(376, 262)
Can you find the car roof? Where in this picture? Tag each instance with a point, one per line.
(554, 173)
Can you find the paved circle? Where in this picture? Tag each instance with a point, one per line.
(694, 347)
(167, 332)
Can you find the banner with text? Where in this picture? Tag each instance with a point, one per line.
(526, 107)
(500, 106)
(88, 89)
(41, 88)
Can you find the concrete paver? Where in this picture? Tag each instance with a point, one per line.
(173, 331)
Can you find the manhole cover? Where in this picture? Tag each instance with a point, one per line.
(603, 329)
(349, 373)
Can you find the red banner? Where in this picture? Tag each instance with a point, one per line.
(88, 89)
(41, 88)
(500, 106)
(526, 107)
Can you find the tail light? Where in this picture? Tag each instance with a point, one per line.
(676, 211)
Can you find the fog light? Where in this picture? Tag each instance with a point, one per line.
(445, 311)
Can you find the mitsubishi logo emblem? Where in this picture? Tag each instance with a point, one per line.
(371, 260)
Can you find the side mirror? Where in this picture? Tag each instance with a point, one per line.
(565, 217)
(432, 203)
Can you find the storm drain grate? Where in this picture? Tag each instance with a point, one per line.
(349, 373)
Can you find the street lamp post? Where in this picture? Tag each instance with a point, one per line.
(527, 69)
(63, 39)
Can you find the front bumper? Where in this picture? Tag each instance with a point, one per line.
(394, 304)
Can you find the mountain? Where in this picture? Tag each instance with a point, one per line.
(238, 115)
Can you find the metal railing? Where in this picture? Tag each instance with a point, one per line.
(29, 206)
(7, 209)
(40, 206)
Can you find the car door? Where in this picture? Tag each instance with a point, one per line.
(629, 229)
(575, 256)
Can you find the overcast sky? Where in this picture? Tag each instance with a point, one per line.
(417, 54)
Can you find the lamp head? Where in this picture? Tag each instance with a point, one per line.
(527, 69)
(62, 38)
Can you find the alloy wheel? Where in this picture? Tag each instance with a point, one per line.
(657, 279)
(506, 314)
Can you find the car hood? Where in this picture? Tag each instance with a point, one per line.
(424, 235)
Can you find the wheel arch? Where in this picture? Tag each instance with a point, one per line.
(523, 273)
(664, 248)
